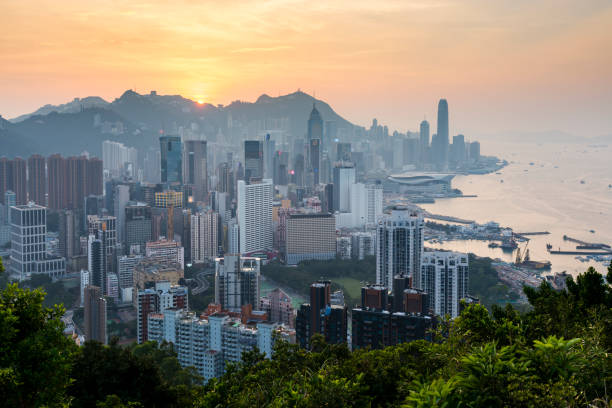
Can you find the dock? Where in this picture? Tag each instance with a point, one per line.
(533, 233)
(448, 218)
(559, 252)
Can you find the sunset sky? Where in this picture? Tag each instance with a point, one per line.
(502, 65)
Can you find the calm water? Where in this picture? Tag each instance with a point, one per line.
(545, 196)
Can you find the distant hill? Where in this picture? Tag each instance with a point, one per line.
(136, 120)
(76, 105)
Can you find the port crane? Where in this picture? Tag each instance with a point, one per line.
(522, 256)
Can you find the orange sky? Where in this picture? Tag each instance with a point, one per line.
(529, 65)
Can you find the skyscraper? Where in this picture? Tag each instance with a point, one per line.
(310, 236)
(121, 197)
(237, 281)
(69, 244)
(171, 159)
(28, 243)
(255, 216)
(269, 150)
(424, 138)
(441, 150)
(97, 262)
(95, 314)
(138, 226)
(444, 277)
(343, 178)
(253, 160)
(315, 136)
(399, 246)
(204, 236)
(195, 172)
(37, 181)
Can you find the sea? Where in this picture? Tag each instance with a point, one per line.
(565, 189)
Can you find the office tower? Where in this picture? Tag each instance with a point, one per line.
(280, 174)
(474, 151)
(298, 176)
(69, 227)
(363, 244)
(399, 245)
(204, 236)
(138, 227)
(315, 161)
(375, 326)
(171, 159)
(444, 277)
(185, 232)
(327, 203)
(121, 197)
(269, 150)
(315, 124)
(441, 147)
(458, 152)
(253, 160)
(19, 183)
(255, 215)
(162, 297)
(366, 202)
(237, 281)
(37, 180)
(279, 307)
(195, 173)
(410, 151)
(166, 251)
(310, 236)
(329, 135)
(84, 275)
(95, 314)
(343, 152)
(320, 316)
(424, 141)
(28, 243)
(344, 178)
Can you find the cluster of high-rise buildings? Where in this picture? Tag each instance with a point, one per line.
(128, 225)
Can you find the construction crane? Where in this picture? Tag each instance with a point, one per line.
(522, 256)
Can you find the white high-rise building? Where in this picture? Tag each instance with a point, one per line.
(28, 243)
(204, 236)
(399, 245)
(444, 276)
(344, 179)
(233, 237)
(115, 155)
(255, 215)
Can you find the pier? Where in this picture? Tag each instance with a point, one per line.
(448, 218)
(559, 252)
(533, 233)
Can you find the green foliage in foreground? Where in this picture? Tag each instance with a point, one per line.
(556, 355)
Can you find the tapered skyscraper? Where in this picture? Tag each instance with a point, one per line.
(315, 134)
(441, 150)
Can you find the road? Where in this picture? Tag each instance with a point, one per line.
(202, 283)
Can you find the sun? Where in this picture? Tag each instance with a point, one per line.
(200, 102)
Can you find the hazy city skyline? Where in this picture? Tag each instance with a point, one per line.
(530, 66)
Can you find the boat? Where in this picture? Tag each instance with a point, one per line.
(548, 246)
(501, 181)
(508, 244)
(493, 245)
(592, 231)
(581, 181)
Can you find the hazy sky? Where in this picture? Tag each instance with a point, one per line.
(502, 65)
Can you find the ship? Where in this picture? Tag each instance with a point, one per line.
(493, 245)
(508, 244)
(523, 259)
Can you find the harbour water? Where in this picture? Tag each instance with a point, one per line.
(560, 188)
